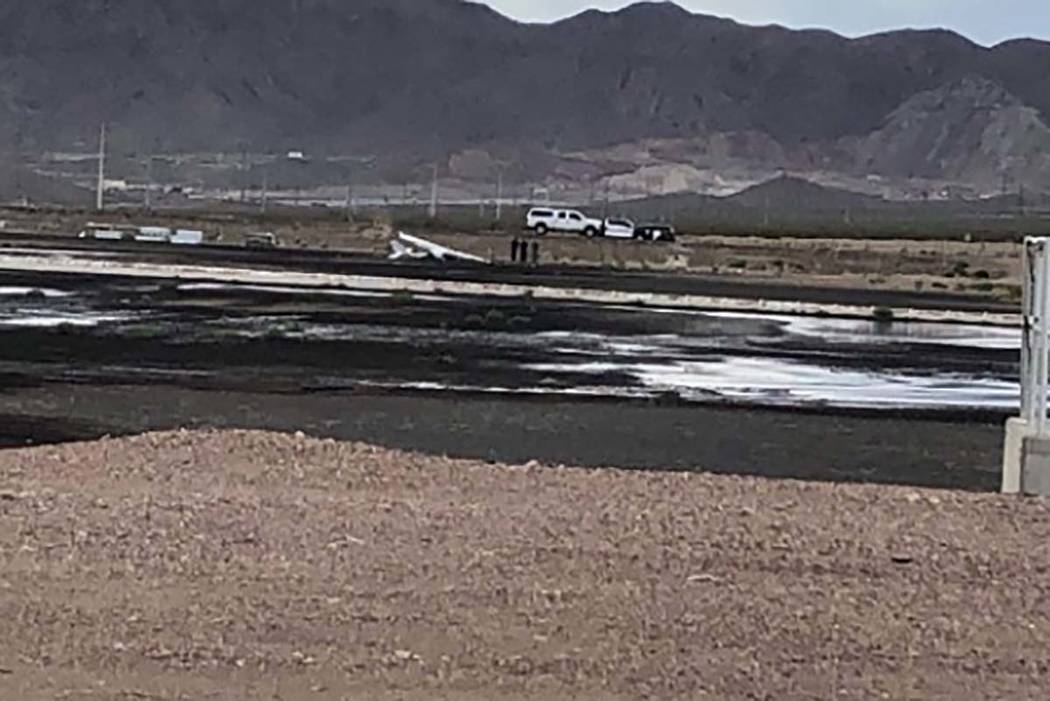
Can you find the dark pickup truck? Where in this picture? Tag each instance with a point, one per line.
(655, 232)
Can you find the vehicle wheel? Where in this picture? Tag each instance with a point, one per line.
(541, 229)
(590, 232)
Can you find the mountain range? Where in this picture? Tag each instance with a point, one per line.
(650, 97)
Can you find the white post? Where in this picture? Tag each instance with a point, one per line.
(1026, 454)
(1037, 355)
(1027, 329)
(100, 193)
(1042, 378)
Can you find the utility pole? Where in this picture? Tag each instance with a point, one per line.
(434, 194)
(244, 174)
(149, 182)
(265, 193)
(351, 199)
(499, 195)
(100, 193)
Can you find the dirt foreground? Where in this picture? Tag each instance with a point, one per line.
(259, 566)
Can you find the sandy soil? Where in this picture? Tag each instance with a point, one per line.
(992, 269)
(251, 565)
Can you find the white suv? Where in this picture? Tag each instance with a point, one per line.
(619, 229)
(542, 220)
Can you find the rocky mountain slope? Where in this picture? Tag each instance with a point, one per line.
(414, 80)
(971, 130)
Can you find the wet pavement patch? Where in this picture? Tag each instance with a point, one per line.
(246, 337)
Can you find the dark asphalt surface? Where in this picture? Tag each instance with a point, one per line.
(770, 443)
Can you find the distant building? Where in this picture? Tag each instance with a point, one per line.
(296, 156)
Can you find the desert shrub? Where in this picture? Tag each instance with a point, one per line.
(883, 315)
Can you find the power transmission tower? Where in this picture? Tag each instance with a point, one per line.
(100, 193)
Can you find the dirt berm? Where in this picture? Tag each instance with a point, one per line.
(258, 566)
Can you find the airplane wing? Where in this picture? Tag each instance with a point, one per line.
(435, 250)
(399, 250)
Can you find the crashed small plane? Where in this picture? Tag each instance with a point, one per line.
(416, 248)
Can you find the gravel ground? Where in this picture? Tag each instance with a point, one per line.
(246, 565)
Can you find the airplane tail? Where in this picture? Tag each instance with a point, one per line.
(398, 250)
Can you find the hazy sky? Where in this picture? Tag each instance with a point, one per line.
(984, 21)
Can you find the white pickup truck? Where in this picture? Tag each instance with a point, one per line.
(542, 220)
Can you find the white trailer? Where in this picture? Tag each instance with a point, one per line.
(108, 232)
(142, 234)
(153, 234)
(187, 237)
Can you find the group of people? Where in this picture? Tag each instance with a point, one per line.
(525, 252)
